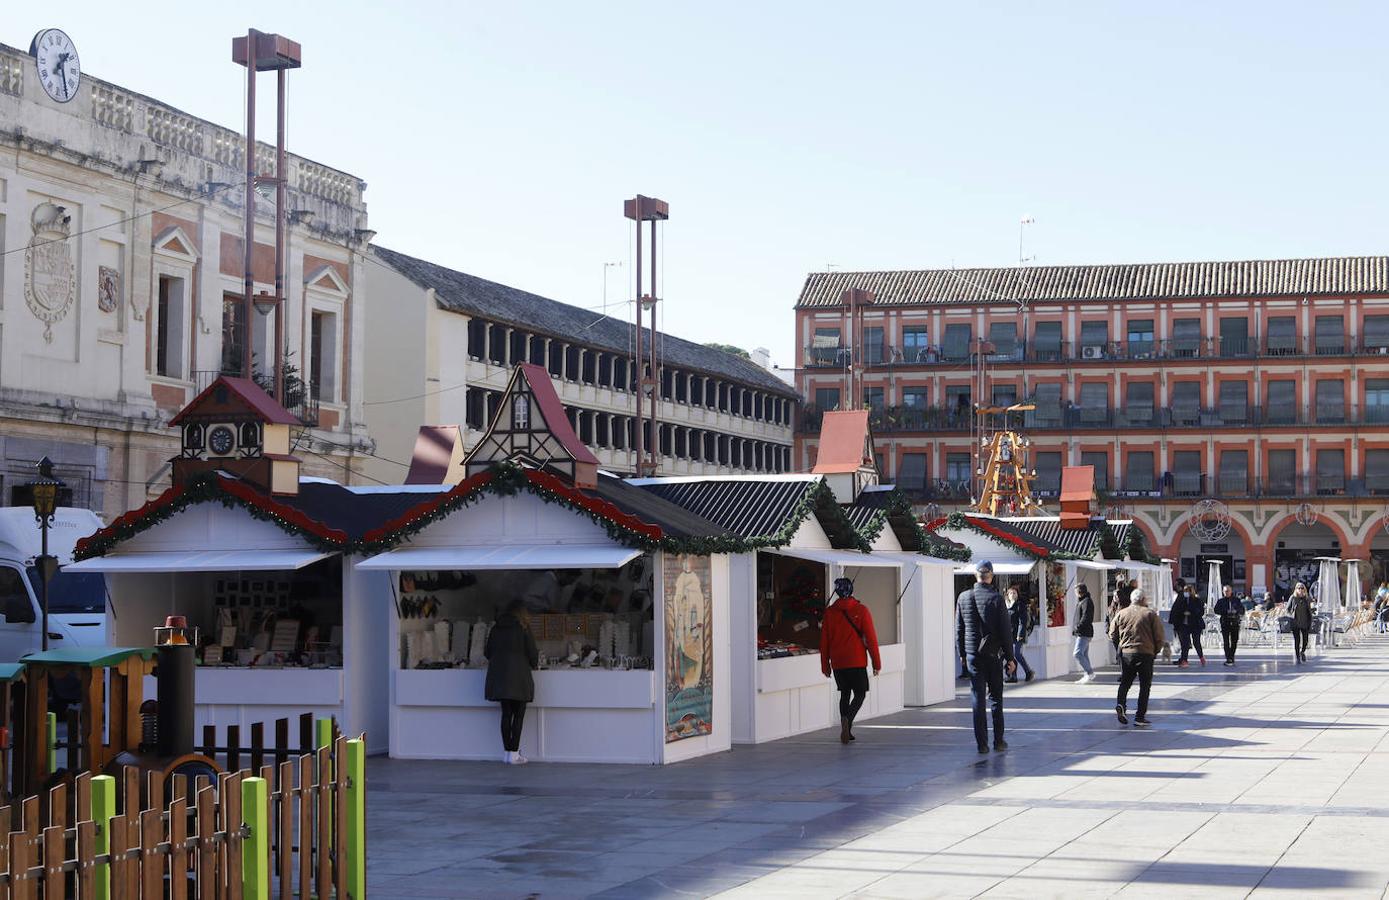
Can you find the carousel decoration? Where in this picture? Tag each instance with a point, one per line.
(1306, 515)
(1005, 484)
(1210, 521)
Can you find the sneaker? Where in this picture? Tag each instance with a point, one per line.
(520, 760)
(1119, 711)
(1085, 679)
(1031, 675)
(1228, 663)
(1000, 746)
(509, 758)
(1141, 723)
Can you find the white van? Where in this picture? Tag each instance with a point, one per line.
(76, 600)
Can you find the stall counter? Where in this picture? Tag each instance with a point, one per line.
(579, 715)
(794, 697)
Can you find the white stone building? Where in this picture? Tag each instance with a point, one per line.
(121, 240)
(443, 343)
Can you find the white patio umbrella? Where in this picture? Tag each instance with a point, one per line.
(1213, 586)
(1329, 593)
(1352, 597)
(1167, 595)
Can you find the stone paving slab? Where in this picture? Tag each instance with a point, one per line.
(1263, 780)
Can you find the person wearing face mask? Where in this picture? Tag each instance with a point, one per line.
(1231, 613)
(1187, 618)
(1300, 611)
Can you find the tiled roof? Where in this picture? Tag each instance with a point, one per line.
(464, 293)
(759, 509)
(674, 520)
(1047, 532)
(1141, 281)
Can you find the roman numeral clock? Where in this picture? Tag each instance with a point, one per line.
(59, 68)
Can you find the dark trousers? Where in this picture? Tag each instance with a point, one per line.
(1140, 666)
(513, 715)
(1229, 634)
(1190, 638)
(853, 690)
(986, 677)
(1022, 660)
(1300, 642)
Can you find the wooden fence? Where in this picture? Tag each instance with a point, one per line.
(292, 829)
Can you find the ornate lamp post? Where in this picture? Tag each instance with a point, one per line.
(44, 491)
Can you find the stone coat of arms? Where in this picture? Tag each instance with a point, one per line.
(50, 280)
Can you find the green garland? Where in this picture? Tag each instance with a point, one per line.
(1136, 545)
(959, 520)
(1109, 543)
(909, 531)
(204, 489)
(506, 479)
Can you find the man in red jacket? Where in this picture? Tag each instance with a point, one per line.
(847, 640)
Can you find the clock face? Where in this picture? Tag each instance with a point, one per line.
(221, 440)
(57, 62)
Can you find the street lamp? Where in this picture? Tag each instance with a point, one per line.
(44, 491)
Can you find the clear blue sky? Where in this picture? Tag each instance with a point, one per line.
(501, 138)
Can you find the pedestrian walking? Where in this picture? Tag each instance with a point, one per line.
(1083, 631)
(511, 657)
(1188, 619)
(847, 640)
(1139, 633)
(1231, 613)
(983, 638)
(1020, 620)
(1300, 611)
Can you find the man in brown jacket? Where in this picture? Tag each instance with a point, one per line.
(1137, 631)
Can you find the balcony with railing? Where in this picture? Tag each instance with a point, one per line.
(1236, 486)
(301, 398)
(1049, 351)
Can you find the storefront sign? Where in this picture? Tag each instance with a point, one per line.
(689, 647)
(1215, 549)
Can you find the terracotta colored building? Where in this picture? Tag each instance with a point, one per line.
(1260, 386)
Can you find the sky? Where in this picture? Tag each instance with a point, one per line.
(790, 137)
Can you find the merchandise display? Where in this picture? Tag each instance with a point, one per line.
(271, 619)
(580, 618)
(791, 605)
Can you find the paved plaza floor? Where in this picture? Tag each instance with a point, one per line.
(1267, 779)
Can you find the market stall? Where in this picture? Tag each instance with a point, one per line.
(626, 596)
(285, 624)
(257, 559)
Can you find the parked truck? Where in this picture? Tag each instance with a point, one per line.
(76, 600)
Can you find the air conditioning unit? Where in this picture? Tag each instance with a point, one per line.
(1092, 352)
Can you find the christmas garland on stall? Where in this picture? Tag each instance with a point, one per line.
(910, 534)
(508, 478)
(1136, 545)
(959, 520)
(205, 489)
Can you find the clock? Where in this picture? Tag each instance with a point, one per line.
(221, 440)
(55, 56)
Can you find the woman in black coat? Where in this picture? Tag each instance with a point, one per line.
(1188, 618)
(1300, 611)
(511, 656)
(1084, 630)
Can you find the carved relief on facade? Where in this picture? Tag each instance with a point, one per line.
(108, 291)
(50, 281)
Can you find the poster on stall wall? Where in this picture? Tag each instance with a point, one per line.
(689, 647)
